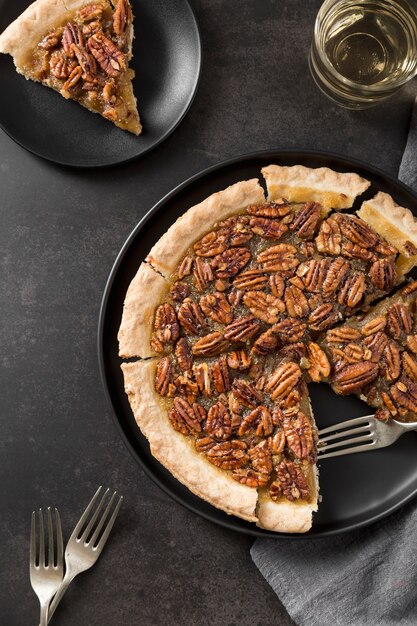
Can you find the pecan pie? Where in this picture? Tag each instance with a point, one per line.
(241, 304)
(81, 49)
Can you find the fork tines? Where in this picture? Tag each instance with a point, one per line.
(350, 433)
(37, 551)
(92, 533)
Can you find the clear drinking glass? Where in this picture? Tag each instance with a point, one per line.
(363, 51)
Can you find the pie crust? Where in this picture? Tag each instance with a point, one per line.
(396, 224)
(169, 250)
(176, 453)
(152, 287)
(333, 190)
(147, 288)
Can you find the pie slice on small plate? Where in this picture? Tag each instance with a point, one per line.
(81, 49)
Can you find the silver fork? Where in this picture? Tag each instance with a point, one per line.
(46, 573)
(370, 433)
(87, 540)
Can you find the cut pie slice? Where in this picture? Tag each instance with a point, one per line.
(375, 356)
(82, 50)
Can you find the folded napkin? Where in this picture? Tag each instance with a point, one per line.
(366, 577)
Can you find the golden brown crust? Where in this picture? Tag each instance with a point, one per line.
(397, 224)
(333, 190)
(176, 452)
(285, 516)
(30, 27)
(145, 292)
(171, 248)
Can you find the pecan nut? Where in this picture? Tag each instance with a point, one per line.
(410, 366)
(203, 274)
(323, 317)
(299, 435)
(329, 237)
(392, 362)
(268, 228)
(305, 221)
(111, 60)
(220, 375)
(246, 393)
(374, 325)
(217, 307)
(183, 354)
(230, 262)
(202, 377)
(276, 285)
(250, 279)
(185, 418)
(279, 258)
(357, 231)
(353, 290)
(399, 320)
(166, 328)
(314, 273)
(412, 343)
(264, 306)
(279, 208)
(121, 17)
(319, 366)
(382, 274)
(290, 330)
(71, 35)
(290, 482)
(229, 454)
(258, 420)
(242, 329)
(185, 267)
(210, 345)
(163, 377)
(239, 360)
(404, 394)
(251, 478)
(296, 302)
(376, 343)
(336, 273)
(345, 334)
(215, 242)
(52, 40)
(353, 377)
(260, 456)
(191, 317)
(266, 343)
(283, 380)
(218, 424)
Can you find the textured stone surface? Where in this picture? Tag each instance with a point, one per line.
(60, 231)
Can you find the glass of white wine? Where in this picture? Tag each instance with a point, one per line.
(363, 51)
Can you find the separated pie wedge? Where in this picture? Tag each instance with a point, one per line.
(81, 49)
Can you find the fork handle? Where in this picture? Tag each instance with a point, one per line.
(69, 576)
(44, 614)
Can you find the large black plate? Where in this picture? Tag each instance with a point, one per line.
(357, 490)
(167, 60)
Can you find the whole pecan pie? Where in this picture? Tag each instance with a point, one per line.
(82, 50)
(240, 305)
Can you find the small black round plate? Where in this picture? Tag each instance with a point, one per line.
(167, 61)
(358, 489)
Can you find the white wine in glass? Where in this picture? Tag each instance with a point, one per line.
(363, 51)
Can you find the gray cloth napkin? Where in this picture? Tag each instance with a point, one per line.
(366, 577)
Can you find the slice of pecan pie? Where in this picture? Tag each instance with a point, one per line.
(81, 49)
(375, 356)
(229, 316)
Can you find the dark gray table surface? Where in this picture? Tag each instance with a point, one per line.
(60, 232)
